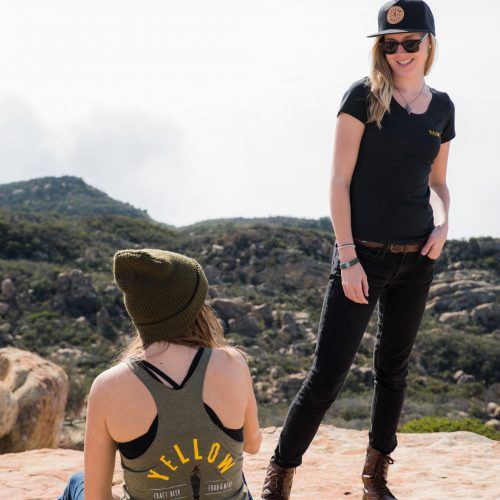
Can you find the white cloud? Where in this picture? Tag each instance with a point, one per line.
(133, 156)
(199, 109)
(28, 147)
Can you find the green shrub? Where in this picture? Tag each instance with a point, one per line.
(444, 424)
(46, 315)
(459, 351)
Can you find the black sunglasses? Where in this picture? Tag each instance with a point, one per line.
(390, 46)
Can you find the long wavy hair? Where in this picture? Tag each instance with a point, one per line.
(206, 331)
(381, 83)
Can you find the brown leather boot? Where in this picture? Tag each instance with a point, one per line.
(278, 482)
(375, 476)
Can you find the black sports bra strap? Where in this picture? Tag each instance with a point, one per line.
(156, 372)
(193, 366)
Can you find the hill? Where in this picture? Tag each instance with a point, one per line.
(65, 196)
(323, 224)
(266, 284)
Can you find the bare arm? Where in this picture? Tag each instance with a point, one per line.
(348, 134)
(252, 437)
(440, 202)
(100, 449)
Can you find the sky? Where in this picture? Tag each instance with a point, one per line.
(196, 109)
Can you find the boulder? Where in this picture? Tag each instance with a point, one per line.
(302, 317)
(290, 385)
(364, 374)
(289, 332)
(459, 317)
(217, 249)
(438, 289)
(244, 325)
(229, 308)
(289, 328)
(466, 379)
(212, 274)
(467, 284)
(368, 341)
(301, 349)
(6, 338)
(4, 308)
(40, 389)
(287, 319)
(103, 320)
(459, 375)
(76, 294)
(264, 313)
(463, 299)
(487, 315)
(8, 410)
(113, 291)
(493, 423)
(73, 435)
(8, 289)
(63, 283)
(5, 327)
(491, 408)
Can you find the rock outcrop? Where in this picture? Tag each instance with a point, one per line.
(459, 465)
(461, 297)
(33, 394)
(8, 289)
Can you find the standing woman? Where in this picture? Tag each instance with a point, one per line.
(180, 408)
(391, 148)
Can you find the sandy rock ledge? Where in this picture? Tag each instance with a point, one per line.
(439, 466)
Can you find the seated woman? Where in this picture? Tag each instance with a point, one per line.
(180, 406)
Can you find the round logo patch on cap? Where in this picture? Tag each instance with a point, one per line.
(395, 15)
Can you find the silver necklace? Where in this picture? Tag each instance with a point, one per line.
(407, 105)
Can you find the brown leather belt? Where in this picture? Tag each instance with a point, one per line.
(393, 247)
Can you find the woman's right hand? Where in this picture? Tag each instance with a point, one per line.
(354, 279)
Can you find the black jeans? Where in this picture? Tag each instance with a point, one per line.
(399, 284)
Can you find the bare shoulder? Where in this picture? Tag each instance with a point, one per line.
(229, 355)
(229, 363)
(110, 381)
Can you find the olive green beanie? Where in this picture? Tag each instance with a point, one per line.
(163, 291)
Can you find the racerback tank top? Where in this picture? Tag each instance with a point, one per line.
(190, 457)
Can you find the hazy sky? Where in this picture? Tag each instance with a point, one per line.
(195, 109)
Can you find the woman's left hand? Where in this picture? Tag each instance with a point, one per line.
(435, 243)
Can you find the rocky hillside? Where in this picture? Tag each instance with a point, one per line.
(267, 284)
(63, 195)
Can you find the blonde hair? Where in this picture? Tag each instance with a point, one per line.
(380, 80)
(206, 331)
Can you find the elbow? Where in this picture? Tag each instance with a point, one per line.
(438, 185)
(252, 446)
(340, 183)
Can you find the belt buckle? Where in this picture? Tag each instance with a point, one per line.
(391, 245)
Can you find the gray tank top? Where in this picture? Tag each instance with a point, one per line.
(190, 457)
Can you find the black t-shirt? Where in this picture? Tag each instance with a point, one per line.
(390, 183)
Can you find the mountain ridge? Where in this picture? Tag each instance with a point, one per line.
(266, 283)
(68, 195)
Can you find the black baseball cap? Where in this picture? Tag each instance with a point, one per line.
(405, 16)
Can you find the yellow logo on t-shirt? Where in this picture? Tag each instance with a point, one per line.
(226, 463)
(434, 133)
